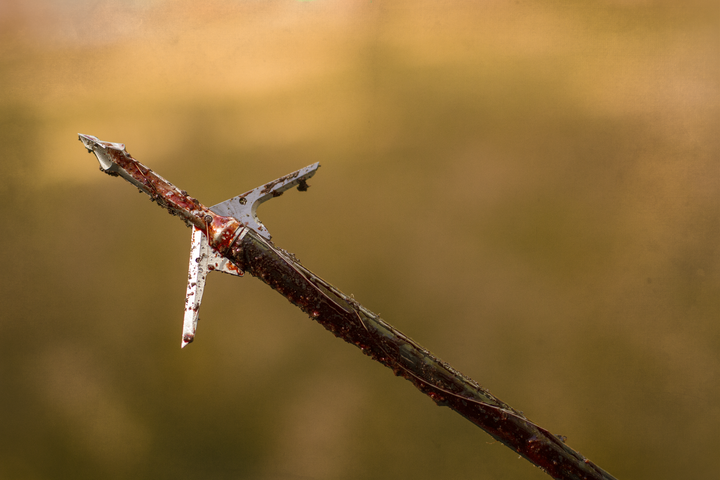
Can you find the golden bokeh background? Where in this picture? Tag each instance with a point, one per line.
(529, 189)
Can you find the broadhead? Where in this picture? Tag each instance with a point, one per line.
(215, 229)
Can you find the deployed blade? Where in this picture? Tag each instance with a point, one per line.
(244, 207)
(203, 259)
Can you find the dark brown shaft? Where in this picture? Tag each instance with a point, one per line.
(349, 320)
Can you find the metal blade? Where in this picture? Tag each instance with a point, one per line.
(203, 260)
(244, 207)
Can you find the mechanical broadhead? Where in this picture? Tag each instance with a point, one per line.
(214, 229)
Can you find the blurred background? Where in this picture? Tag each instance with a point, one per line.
(528, 189)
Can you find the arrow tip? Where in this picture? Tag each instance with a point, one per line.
(187, 340)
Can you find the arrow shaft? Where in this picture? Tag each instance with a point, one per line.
(347, 319)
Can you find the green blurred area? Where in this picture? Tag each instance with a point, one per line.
(528, 189)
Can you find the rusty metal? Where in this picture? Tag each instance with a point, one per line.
(249, 249)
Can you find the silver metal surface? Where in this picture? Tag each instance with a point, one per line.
(244, 207)
(203, 260)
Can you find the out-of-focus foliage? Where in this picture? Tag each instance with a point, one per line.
(529, 189)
